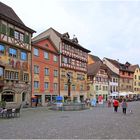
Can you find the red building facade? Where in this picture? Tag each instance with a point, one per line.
(45, 70)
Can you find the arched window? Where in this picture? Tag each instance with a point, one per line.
(8, 96)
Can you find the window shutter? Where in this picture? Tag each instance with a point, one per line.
(3, 29)
(10, 32)
(26, 38)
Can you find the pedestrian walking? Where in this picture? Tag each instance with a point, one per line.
(124, 106)
(109, 102)
(116, 105)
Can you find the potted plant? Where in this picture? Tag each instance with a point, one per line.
(2, 104)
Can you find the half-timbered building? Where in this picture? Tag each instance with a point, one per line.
(73, 64)
(15, 57)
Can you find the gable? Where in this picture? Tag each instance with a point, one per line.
(47, 45)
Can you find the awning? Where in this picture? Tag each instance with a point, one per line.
(59, 98)
(123, 94)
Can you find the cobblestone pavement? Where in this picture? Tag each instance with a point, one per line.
(94, 123)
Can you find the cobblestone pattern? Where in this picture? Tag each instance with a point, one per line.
(94, 123)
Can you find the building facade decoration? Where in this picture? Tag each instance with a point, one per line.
(98, 79)
(73, 61)
(15, 57)
(45, 71)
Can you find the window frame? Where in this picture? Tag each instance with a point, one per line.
(36, 52)
(12, 54)
(4, 49)
(36, 84)
(22, 57)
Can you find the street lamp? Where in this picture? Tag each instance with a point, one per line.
(69, 83)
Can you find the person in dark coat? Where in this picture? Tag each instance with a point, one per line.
(124, 106)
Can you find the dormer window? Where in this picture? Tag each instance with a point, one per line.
(66, 35)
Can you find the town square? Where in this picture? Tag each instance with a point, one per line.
(94, 123)
(69, 69)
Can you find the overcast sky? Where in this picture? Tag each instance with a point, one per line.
(107, 28)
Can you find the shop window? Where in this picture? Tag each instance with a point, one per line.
(47, 98)
(8, 97)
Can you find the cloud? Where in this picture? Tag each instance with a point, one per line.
(109, 28)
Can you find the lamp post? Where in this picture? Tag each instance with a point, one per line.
(69, 83)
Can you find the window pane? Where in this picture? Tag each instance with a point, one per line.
(36, 69)
(16, 34)
(46, 55)
(46, 85)
(2, 49)
(12, 52)
(35, 51)
(1, 71)
(55, 86)
(55, 73)
(36, 84)
(46, 71)
(55, 58)
(23, 56)
(21, 37)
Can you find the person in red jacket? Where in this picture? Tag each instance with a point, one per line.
(115, 104)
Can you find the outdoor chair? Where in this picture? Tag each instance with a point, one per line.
(17, 111)
(8, 113)
(1, 112)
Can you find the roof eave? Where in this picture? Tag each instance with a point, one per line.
(17, 24)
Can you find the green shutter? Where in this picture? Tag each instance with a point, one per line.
(10, 32)
(26, 38)
(3, 29)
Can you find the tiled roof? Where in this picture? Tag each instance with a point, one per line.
(133, 67)
(120, 66)
(8, 14)
(68, 40)
(95, 67)
(95, 58)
